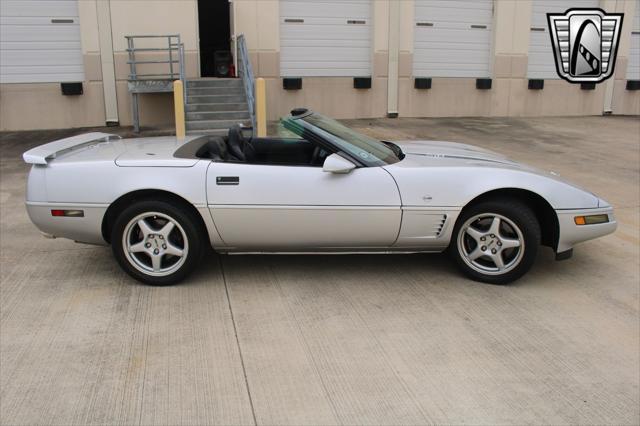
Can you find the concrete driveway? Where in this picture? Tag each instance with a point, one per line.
(400, 339)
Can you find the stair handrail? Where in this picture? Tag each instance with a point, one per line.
(174, 46)
(174, 51)
(246, 73)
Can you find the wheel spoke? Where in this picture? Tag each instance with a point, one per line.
(173, 250)
(495, 226)
(509, 243)
(166, 229)
(144, 227)
(475, 254)
(138, 247)
(156, 262)
(474, 233)
(499, 262)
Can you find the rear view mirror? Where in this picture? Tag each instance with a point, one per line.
(337, 164)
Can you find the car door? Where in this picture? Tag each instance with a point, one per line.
(298, 208)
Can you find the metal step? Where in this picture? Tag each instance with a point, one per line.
(191, 91)
(215, 99)
(242, 106)
(213, 124)
(215, 82)
(217, 115)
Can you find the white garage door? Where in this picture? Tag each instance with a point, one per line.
(325, 38)
(452, 38)
(633, 70)
(541, 61)
(40, 41)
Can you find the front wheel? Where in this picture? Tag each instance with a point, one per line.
(156, 242)
(496, 241)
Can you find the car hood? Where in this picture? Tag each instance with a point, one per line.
(450, 162)
(452, 151)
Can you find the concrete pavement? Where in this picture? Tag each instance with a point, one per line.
(373, 339)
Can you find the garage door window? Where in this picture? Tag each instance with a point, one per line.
(452, 38)
(325, 38)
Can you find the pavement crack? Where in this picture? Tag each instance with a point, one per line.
(235, 332)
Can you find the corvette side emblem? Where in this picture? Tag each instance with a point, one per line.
(585, 43)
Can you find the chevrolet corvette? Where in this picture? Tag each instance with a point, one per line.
(318, 187)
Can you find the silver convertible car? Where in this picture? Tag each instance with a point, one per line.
(319, 187)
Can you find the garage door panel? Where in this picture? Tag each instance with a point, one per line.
(471, 56)
(37, 44)
(38, 78)
(38, 8)
(460, 5)
(40, 57)
(328, 38)
(452, 36)
(39, 33)
(36, 69)
(454, 15)
(326, 32)
(443, 34)
(41, 45)
(345, 54)
(337, 70)
(38, 20)
(541, 62)
(307, 21)
(336, 9)
(322, 43)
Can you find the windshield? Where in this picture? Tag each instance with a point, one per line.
(367, 150)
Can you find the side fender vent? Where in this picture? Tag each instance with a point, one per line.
(440, 225)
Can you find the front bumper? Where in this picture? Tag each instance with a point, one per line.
(572, 234)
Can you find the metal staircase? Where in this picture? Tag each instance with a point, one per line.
(215, 104)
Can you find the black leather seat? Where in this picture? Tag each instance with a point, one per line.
(217, 148)
(236, 143)
(239, 147)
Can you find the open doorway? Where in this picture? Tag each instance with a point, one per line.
(215, 38)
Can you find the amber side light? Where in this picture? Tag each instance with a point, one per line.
(591, 220)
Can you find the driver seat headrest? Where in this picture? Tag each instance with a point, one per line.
(236, 142)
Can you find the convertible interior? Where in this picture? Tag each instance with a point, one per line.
(239, 148)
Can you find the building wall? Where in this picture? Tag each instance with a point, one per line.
(335, 96)
(509, 95)
(20, 103)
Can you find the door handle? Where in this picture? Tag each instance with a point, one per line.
(227, 180)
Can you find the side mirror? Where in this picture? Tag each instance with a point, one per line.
(336, 164)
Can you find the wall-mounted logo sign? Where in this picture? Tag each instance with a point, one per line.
(585, 43)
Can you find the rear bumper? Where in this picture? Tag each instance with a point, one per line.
(87, 229)
(572, 234)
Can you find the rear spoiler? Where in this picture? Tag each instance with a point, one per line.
(43, 153)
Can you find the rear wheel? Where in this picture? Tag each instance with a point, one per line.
(156, 242)
(496, 241)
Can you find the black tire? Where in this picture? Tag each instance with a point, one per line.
(186, 235)
(519, 218)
